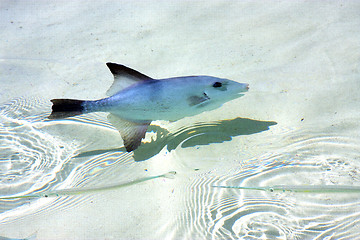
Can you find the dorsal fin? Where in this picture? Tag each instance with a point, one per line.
(123, 77)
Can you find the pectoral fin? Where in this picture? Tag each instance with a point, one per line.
(196, 100)
(131, 132)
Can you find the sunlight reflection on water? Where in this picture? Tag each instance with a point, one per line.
(40, 155)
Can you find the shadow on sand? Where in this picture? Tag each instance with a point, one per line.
(199, 134)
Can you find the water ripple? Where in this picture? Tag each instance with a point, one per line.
(29, 158)
(306, 157)
(36, 157)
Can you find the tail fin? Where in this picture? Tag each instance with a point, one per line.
(63, 108)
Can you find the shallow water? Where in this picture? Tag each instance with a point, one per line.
(297, 126)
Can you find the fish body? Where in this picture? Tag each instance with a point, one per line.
(136, 99)
(78, 191)
(167, 99)
(302, 188)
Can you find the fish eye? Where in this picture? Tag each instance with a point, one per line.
(217, 84)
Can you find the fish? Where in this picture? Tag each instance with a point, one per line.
(32, 237)
(81, 191)
(135, 100)
(302, 188)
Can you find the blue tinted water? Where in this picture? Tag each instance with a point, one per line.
(297, 126)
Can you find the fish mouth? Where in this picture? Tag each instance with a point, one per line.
(243, 88)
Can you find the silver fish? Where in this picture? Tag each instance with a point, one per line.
(302, 188)
(32, 237)
(78, 191)
(136, 99)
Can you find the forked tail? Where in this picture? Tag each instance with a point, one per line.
(63, 108)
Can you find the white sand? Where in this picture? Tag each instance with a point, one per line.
(301, 59)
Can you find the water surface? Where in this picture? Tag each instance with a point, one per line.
(297, 126)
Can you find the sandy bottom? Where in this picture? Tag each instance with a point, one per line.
(298, 124)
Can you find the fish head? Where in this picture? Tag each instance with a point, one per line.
(207, 93)
(219, 90)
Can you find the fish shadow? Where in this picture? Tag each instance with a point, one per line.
(199, 134)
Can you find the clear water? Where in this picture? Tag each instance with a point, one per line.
(298, 124)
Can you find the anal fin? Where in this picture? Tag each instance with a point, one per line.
(131, 132)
